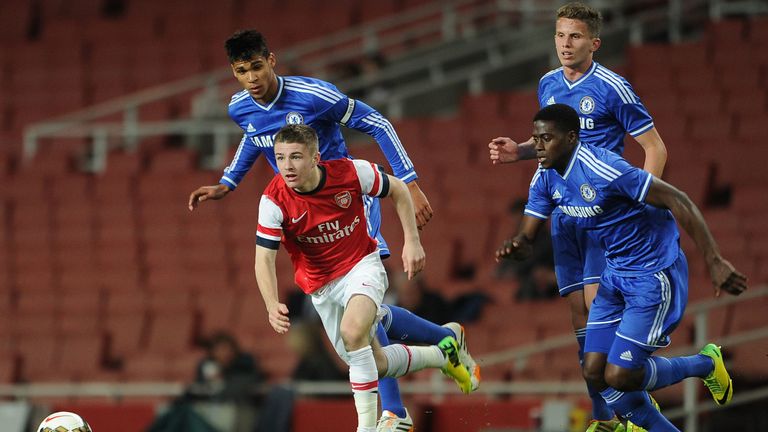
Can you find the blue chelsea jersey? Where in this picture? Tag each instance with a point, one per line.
(317, 103)
(604, 194)
(608, 108)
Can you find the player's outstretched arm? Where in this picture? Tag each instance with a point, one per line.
(520, 246)
(655, 152)
(205, 193)
(505, 150)
(413, 253)
(266, 277)
(724, 276)
(421, 205)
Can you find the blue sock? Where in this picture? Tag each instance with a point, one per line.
(389, 391)
(404, 326)
(600, 409)
(636, 407)
(661, 372)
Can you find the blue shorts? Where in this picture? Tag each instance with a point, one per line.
(633, 316)
(579, 259)
(373, 213)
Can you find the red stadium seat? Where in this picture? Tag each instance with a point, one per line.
(746, 103)
(217, 310)
(689, 58)
(711, 127)
(37, 354)
(171, 333)
(700, 101)
(126, 333)
(728, 32)
(520, 106)
(81, 357)
(147, 366)
(481, 107)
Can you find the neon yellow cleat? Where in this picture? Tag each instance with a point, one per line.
(718, 382)
(453, 367)
(605, 426)
(464, 356)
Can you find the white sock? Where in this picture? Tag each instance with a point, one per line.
(403, 359)
(364, 379)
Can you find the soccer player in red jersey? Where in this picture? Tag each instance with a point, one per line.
(316, 210)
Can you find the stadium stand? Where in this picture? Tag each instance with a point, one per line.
(108, 278)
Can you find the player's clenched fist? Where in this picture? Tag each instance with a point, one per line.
(725, 277)
(503, 150)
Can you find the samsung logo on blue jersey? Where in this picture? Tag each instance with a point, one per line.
(263, 141)
(581, 212)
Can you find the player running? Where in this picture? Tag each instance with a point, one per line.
(316, 209)
(608, 110)
(644, 288)
(267, 103)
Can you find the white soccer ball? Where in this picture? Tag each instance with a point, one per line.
(63, 422)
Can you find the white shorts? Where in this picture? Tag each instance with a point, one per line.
(368, 278)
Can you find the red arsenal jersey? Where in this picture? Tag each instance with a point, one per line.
(325, 230)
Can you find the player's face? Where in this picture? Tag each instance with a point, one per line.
(257, 76)
(574, 44)
(297, 165)
(553, 147)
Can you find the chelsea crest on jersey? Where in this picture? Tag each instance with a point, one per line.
(605, 195)
(319, 104)
(607, 105)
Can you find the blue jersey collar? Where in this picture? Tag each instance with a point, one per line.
(572, 161)
(277, 97)
(571, 85)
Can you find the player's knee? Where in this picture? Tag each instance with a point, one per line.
(621, 379)
(593, 371)
(353, 335)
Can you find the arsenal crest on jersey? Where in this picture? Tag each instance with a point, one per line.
(343, 199)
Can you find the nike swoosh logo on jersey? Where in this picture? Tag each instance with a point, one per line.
(294, 220)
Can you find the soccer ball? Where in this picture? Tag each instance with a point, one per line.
(63, 422)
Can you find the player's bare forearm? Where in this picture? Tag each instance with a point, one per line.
(266, 277)
(723, 274)
(423, 210)
(655, 152)
(664, 195)
(413, 252)
(404, 207)
(527, 150)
